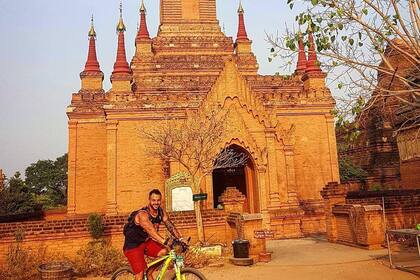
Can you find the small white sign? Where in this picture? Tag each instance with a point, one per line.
(182, 199)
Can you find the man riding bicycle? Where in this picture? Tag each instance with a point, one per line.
(142, 236)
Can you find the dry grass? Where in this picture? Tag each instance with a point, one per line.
(195, 258)
(98, 258)
(22, 263)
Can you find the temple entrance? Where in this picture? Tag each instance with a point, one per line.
(241, 177)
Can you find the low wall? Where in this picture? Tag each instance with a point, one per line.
(307, 219)
(357, 218)
(359, 225)
(402, 207)
(68, 236)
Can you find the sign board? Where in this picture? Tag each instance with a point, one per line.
(263, 234)
(200, 196)
(181, 199)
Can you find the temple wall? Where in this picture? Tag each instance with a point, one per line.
(313, 159)
(89, 172)
(138, 172)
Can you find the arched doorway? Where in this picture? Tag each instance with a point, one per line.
(242, 177)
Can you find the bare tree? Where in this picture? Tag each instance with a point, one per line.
(371, 49)
(195, 143)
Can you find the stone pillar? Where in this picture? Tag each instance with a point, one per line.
(111, 202)
(261, 172)
(71, 168)
(274, 196)
(251, 189)
(333, 194)
(332, 148)
(291, 176)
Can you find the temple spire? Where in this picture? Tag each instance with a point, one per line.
(312, 65)
(92, 64)
(242, 35)
(121, 64)
(143, 32)
(301, 63)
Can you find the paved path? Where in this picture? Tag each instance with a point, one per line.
(315, 259)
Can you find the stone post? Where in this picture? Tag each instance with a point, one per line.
(371, 229)
(333, 194)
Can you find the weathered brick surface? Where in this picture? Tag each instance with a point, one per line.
(358, 219)
(69, 235)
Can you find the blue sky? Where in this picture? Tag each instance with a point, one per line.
(44, 47)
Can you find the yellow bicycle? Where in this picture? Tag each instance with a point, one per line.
(180, 271)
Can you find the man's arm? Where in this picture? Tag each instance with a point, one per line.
(170, 226)
(142, 219)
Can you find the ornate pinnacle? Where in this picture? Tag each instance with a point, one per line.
(92, 32)
(312, 64)
(301, 63)
(121, 26)
(142, 7)
(143, 32)
(92, 64)
(240, 8)
(242, 35)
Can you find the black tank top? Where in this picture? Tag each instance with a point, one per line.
(135, 234)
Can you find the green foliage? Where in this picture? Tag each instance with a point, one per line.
(379, 187)
(95, 226)
(16, 198)
(376, 188)
(47, 179)
(349, 171)
(98, 258)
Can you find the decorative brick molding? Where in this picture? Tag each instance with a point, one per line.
(233, 200)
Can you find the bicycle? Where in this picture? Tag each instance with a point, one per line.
(180, 271)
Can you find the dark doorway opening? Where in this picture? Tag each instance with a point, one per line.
(228, 177)
(241, 177)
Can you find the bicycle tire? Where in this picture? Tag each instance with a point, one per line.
(189, 270)
(122, 271)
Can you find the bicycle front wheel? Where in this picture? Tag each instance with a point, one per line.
(188, 273)
(124, 273)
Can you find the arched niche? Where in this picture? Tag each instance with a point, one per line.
(179, 193)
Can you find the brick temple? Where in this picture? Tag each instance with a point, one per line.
(283, 124)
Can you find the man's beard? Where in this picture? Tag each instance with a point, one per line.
(155, 206)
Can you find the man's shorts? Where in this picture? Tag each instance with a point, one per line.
(135, 256)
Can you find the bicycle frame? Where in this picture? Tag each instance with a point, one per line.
(171, 257)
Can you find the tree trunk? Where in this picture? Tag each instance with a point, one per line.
(199, 219)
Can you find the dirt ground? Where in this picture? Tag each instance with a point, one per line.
(313, 258)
